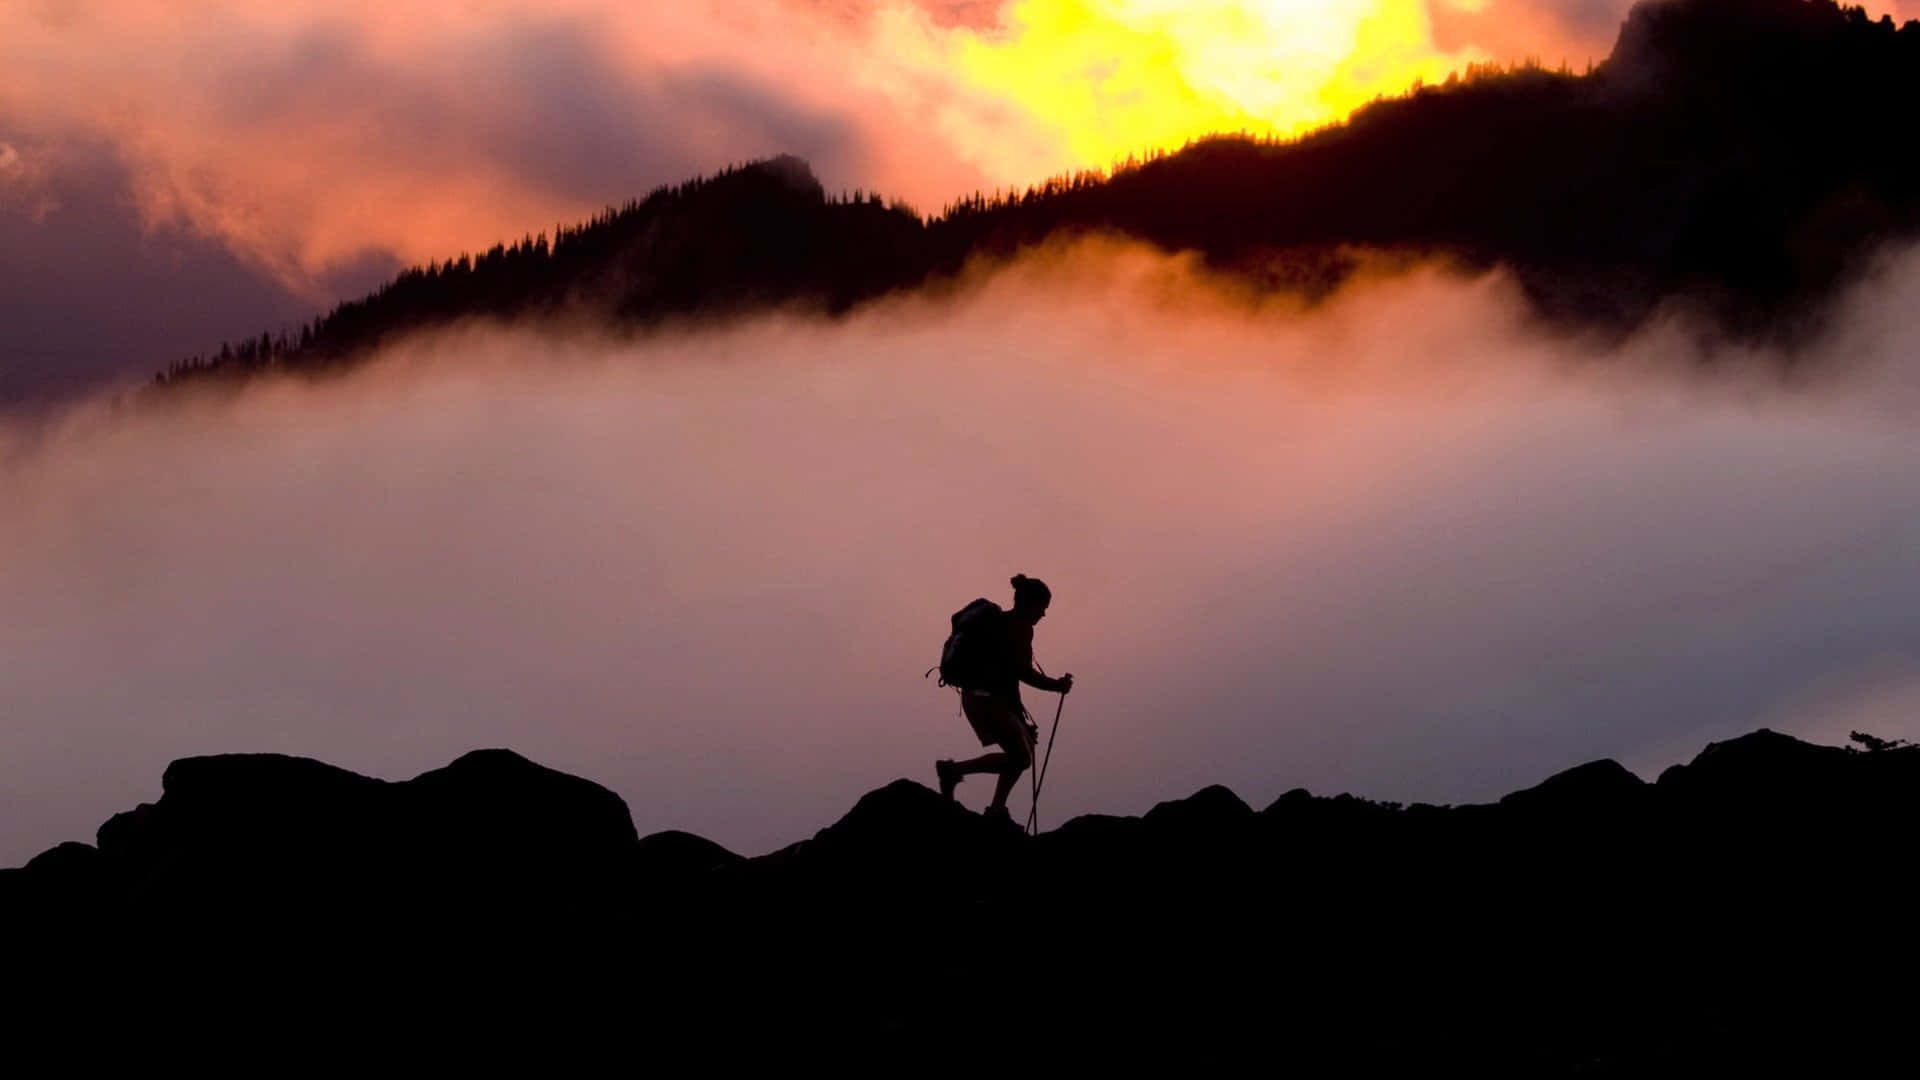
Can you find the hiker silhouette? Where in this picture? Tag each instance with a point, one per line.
(999, 657)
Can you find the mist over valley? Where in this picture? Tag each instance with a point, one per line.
(1403, 542)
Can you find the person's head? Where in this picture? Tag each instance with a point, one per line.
(1030, 598)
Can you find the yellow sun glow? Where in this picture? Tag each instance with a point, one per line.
(1115, 77)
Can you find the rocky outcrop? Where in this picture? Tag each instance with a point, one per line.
(1597, 786)
(1591, 921)
(262, 836)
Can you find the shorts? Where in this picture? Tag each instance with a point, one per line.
(997, 721)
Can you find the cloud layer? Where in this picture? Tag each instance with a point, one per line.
(308, 134)
(90, 295)
(1399, 545)
(275, 159)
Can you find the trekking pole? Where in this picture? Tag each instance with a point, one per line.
(1040, 777)
(1033, 770)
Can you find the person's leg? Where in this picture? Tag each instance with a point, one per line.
(987, 715)
(993, 762)
(1017, 757)
(1000, 721)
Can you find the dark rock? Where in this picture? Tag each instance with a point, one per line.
(1298, 808)
(1596, 786)
(1094, 829)
(258, 782)
(126, 832)
(1752, 803)
(675, 854)
(905, 826)
(1213, 807)
(1761, 763)
(66, 882)
(265, 837)
(68, 859)
(495, 807)
(1093, 847)
(1760, 883)
(254, 806)
(1295, 797)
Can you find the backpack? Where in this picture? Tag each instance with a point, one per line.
(966, 659)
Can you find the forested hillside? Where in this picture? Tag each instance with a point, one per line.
(1744, 159)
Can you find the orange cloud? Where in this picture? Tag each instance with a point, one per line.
(306, 134)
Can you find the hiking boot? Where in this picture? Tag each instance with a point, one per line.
(949, 777)
(999, 815)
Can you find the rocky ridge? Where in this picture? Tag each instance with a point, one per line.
(1744, 903)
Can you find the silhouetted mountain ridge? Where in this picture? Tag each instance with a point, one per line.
(1590, 922)
(1744, 159)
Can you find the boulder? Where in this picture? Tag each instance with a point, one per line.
(1598, 787)
(495, 812)
(906, 826)
(1211, 807)
(1763, 763)
(675, 854)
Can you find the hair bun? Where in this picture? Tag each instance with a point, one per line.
(1030, 590)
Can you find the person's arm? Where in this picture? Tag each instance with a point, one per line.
(1035, 679)
(1020, 643)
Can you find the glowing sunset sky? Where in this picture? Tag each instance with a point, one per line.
(307, 135)
(221, 166)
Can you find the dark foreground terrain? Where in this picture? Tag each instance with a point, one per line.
(1752, 911)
